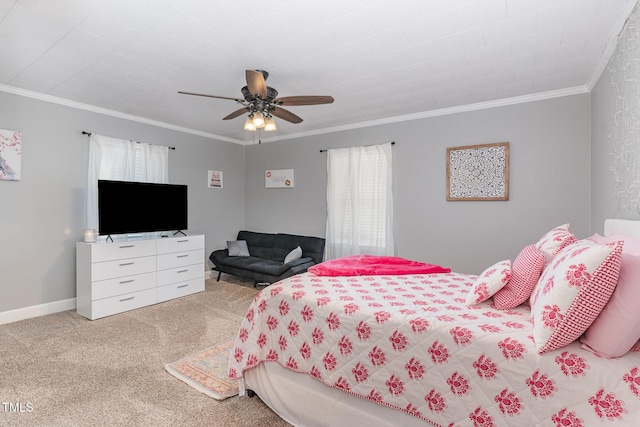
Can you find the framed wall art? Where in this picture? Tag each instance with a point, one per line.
(478, 172)
(281, 178)
(214, 179)
(10, 155)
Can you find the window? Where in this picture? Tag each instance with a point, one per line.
(359, 201)
(122, 160)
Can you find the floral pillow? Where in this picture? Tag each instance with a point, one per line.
(572, 291)
(489, 282)
(525, 272)
(555, 240)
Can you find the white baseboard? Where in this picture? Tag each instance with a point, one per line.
(37, 310)
(52, 307)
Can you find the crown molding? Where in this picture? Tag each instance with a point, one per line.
(388, 120)
(107, 112)
(441, 112)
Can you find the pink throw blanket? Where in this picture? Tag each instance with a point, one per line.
(367, 265)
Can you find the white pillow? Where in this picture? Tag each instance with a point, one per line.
(489, 282)
(238, 248)
(293, 255)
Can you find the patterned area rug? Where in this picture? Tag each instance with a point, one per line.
(206, 371)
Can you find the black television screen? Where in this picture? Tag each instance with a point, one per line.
(140, 207)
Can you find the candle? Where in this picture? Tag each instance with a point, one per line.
(89, 235)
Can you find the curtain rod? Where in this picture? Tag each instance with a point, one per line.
(325, 149)
(89, 134)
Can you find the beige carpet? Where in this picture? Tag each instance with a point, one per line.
(65, 370)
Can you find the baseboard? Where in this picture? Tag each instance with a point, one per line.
(37, 310)
(210, 274)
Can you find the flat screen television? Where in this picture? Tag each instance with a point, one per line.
(139, 207)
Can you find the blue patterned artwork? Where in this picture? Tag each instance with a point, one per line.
(478, 172)
(10, 154)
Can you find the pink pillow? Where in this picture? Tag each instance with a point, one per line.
(556, 239)
(572, 291)
(489, 282)
(617, 327)
(525, 271)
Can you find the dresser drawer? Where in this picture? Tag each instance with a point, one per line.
(177, 290)
(180, 259)
(122, 285)
(180, 274)
(121, 303)
(121, 268)
(122, 250)
(180, 244)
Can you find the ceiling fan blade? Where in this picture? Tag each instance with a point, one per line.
(285, 115)
(303, 100)
(236, 113)
(256, 83)
(212, 96)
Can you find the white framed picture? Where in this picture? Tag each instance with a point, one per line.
(10, 155)
(278, 178)
(215, 179)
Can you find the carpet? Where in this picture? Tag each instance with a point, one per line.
(206, 371)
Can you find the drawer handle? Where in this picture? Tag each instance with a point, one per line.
(126, 299)
(127, 246)
(127, 281)
(183, 286)
(183, 256)
(182, 271)
(126, 263)
(182, 241)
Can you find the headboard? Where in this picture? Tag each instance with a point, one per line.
(628, 227)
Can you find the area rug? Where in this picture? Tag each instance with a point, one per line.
(206, 371)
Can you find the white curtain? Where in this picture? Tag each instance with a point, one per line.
(359, 201)
(122, 160)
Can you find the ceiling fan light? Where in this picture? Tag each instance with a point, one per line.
(269, 124)
(248, 124)
(258, 120)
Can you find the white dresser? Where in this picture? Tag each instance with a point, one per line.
(126, 274)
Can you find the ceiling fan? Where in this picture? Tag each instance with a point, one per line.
(262, 103)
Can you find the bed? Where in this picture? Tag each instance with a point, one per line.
(410, 350)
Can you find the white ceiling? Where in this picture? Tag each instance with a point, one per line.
(382, 61)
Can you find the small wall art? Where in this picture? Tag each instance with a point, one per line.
(215, 179)
(478, 172)
(281, 178)
(10, 155)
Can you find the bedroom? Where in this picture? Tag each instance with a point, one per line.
(559, 173)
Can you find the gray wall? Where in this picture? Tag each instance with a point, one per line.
(549, 181)
(42, 216)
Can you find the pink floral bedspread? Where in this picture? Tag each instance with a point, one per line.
(410, 343)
